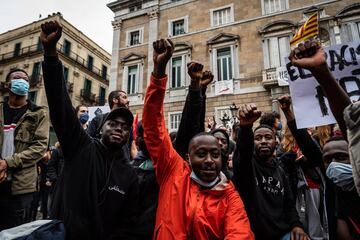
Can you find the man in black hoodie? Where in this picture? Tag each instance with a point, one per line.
(262, 183)
(100, 188)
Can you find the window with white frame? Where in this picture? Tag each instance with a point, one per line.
(224, 64)
(178, 26)
(177, 74)
(276, 50)
(272, 6)
(350, 31)
(134, 37)
(222, 15)
(133, 78)
(174, 121)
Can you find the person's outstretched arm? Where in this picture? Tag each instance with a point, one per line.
(190, 123)
(62, 114)
(316, 64)
(306, 143)
(243, 167)
(156, 137)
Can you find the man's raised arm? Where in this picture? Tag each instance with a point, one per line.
(316, 64)
(243, 168)
(62, 114)
(155, 134)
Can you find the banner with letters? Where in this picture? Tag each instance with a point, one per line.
(224, 87)
(96, 110)
(311, 107)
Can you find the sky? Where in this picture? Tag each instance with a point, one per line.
(92, 17)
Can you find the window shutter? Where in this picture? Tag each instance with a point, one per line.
(137, 79)
(125, 79)
(284, 48)
(345, 33)
(274, 51)
(214, 63)
(354, 31)
(266, 53)
(233, 62)
(183, 73)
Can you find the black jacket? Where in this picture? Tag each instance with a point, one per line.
(55, 165)
(264, 189)
(100, 189)
(313, 153)
(148, 193)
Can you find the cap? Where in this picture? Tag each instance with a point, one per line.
(121, 112)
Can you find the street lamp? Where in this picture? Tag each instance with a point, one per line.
(225, 118)
(233, 110)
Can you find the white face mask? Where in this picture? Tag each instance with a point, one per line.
(201, 182)
(19, 87)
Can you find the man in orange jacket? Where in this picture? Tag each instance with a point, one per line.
(196, 200)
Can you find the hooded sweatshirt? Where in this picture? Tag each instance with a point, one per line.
(265, 190)
(186, 210)
(100, 188)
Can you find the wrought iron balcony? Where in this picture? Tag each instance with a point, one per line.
(36, 49)
(35, 80)
(100, 101)
(87, 96)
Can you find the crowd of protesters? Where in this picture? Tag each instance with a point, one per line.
(110, 179)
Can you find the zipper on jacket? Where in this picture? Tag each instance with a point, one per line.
(194, 213)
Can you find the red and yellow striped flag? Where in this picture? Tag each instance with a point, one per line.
(308, 30)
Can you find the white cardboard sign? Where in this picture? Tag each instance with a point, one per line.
(311, 107)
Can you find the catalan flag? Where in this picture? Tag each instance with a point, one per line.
(308, 30)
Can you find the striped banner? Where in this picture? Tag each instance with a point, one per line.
(308, 30)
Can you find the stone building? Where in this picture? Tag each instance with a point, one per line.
(86, 64)
(244, 43)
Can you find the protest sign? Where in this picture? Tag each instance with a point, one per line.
(282, 76)
(224, 87)
(95, 110)
(311, 107)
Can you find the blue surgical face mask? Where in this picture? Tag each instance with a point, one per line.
(84, 117)
(19, 87)
(341, 175)
(279, 126)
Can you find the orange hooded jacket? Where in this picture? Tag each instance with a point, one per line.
(185, 210)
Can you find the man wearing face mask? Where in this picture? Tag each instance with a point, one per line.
(82, 113)
(24, 133)
(339, 170)
(196, 201)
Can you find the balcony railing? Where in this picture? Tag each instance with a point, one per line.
(35, 48)
(87, 96)
(269, 77)
(35, 80)
(100, 101)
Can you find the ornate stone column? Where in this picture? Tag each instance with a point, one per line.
(153, 35)
(115, 55)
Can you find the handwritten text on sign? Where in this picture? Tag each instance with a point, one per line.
(310, 105)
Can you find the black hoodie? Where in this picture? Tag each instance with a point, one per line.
(264, 189)
(100, 188)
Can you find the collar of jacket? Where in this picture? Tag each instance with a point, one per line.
(31, 106)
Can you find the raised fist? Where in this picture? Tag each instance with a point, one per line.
(195, 70)
(309, 55)
(50, 35)
(206, 79)
(285, 102)
(248, 114)
(163, 50)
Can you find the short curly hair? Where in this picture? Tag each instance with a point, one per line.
(269, 118)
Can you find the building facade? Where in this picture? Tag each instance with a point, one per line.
(86, 64)
(244, 44)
